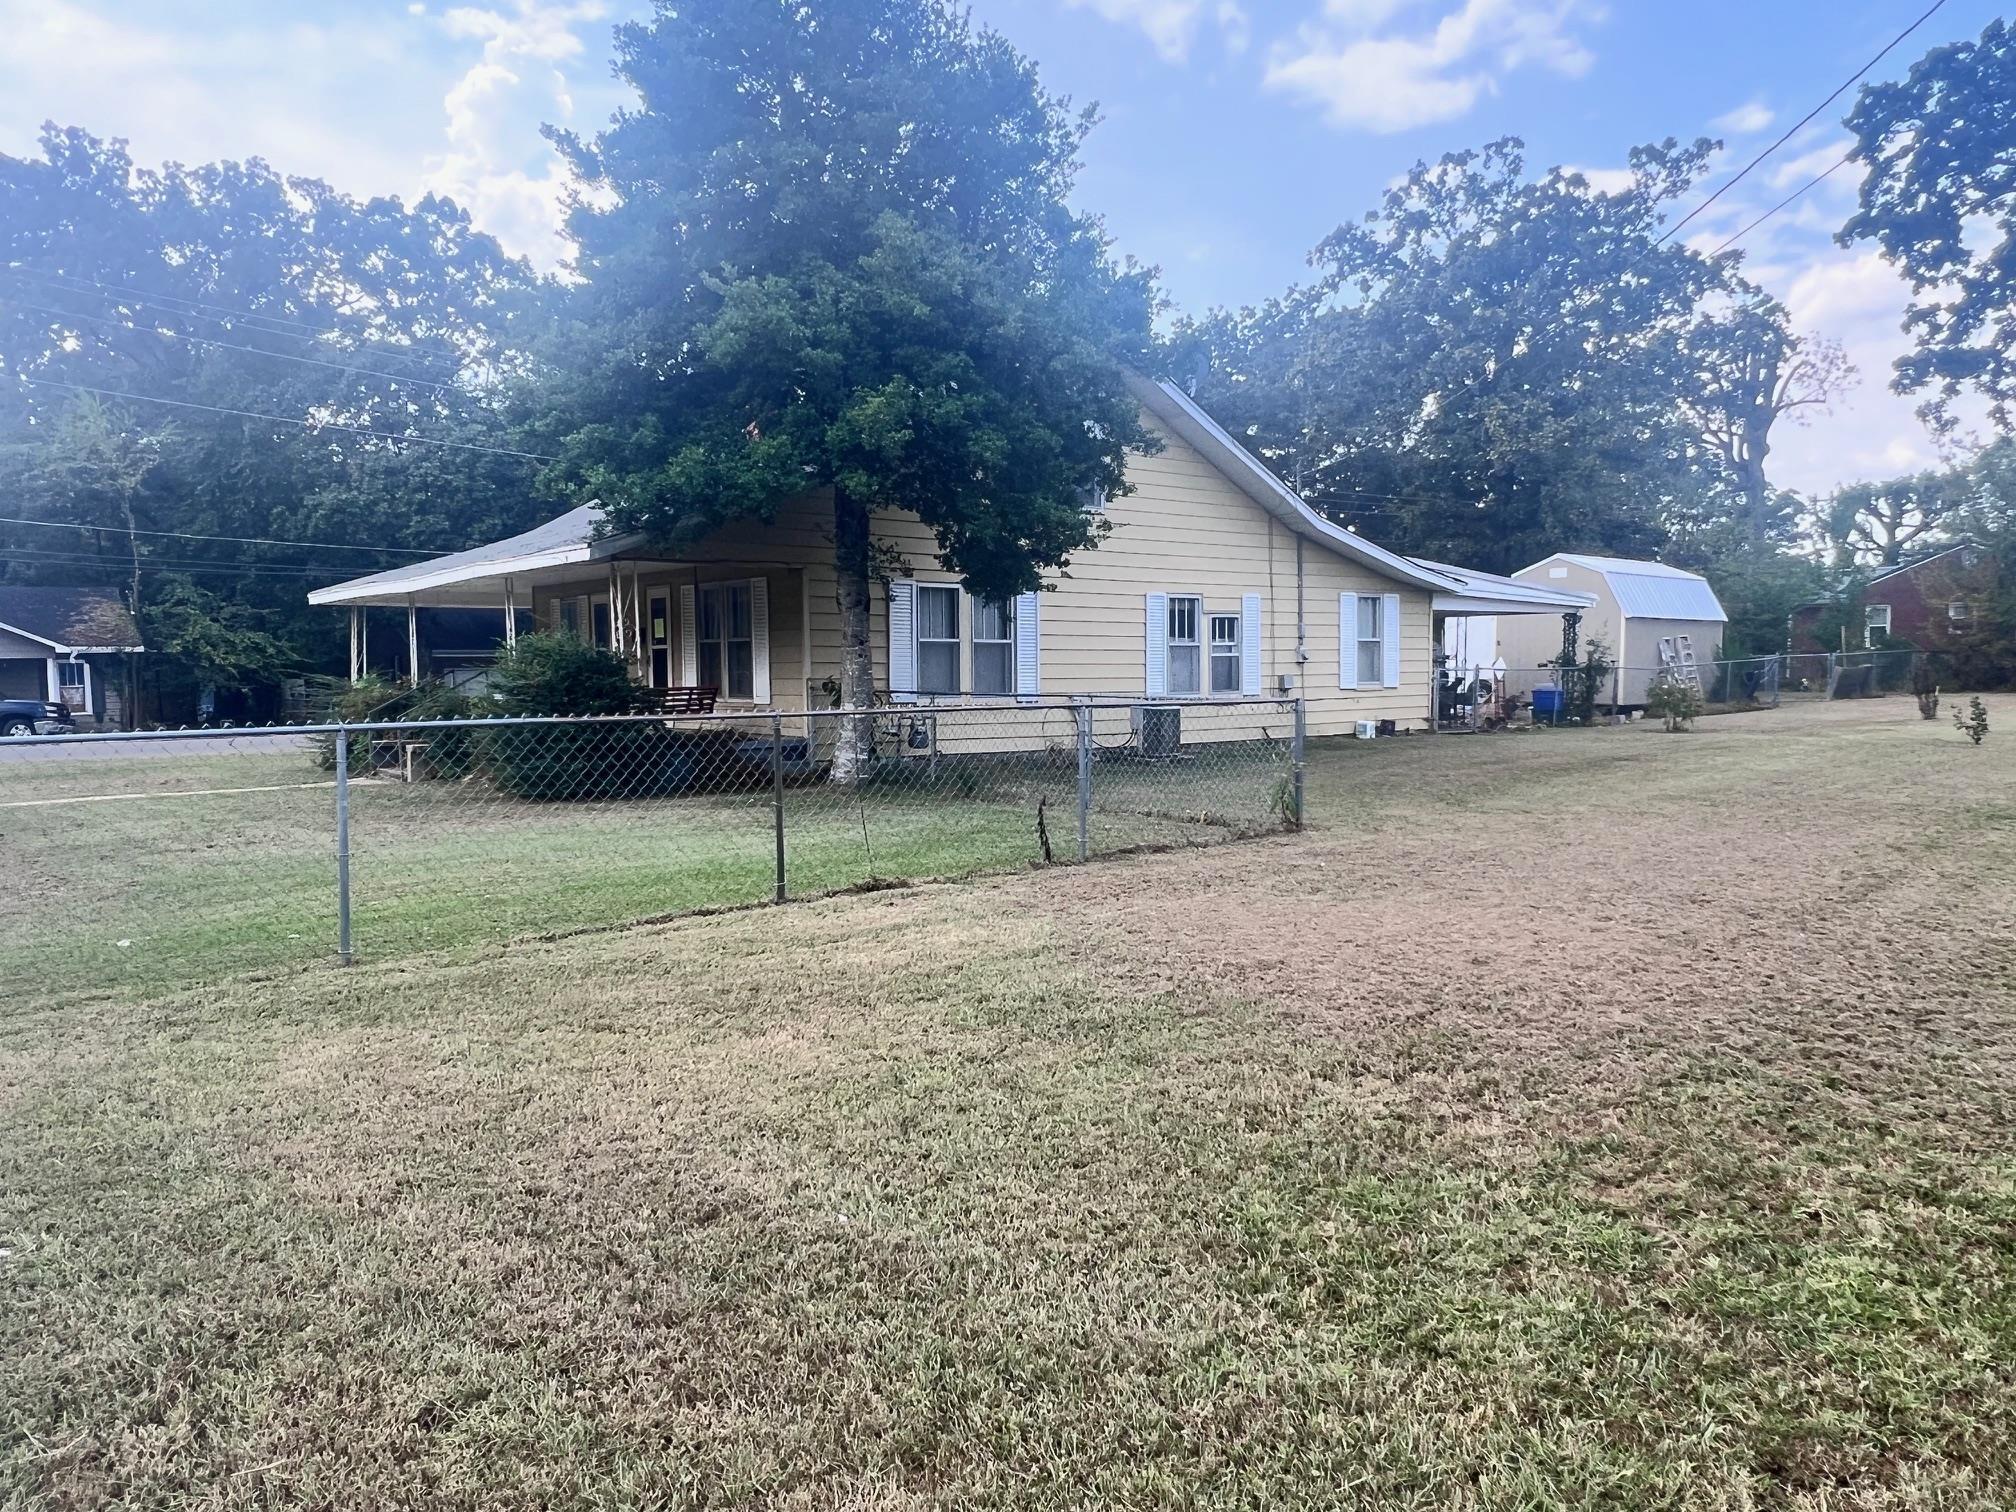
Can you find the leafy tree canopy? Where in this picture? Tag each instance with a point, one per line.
(1939, 199)
(1487, 368)
(830, 249)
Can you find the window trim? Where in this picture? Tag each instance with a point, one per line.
(1220, 650)
(957, 640)
(1199, 630)
(1869, 613)
(701, 640)
(974, 642)
(1360, 640)
(1965, 608)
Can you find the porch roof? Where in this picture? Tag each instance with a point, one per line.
(474, 579)
(1478, 593)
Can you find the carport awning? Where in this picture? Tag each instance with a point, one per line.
(1487, 593)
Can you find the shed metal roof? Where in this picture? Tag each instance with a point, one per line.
(1647, 590)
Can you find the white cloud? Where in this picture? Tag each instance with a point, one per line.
(1604, 180)
(1362, 77)
(497, 165)
(1807, 165)
(1171, 26)
(1751, 116)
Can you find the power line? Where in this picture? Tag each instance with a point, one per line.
(310, 425)
(226, 313)
(232, 346)
(1845, 159)
(184, 535)
(160, 564)
(1796, 127)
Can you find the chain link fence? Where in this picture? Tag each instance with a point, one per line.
(156, 860)
(1498, 698)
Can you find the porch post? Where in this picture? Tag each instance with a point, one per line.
(412, 644)
(356, 648)
(510, 613)
(615, 612)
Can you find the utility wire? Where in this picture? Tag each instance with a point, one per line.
(184, 535)
(230, 346)
(310, 425)
(160, 564)
(1845, 159)
(225, 313)
(1796, 127)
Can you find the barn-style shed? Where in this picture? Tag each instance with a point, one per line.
(1645, 613)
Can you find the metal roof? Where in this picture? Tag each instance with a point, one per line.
(1487, 593)
(1646, 590)
(571, 537)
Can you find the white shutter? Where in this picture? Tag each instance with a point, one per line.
(1347, 640)
(1249, 644)
(1389, 637)
(689, 637)
(1157, 684)
(903, 641)
(759, 639)
(1028, 645)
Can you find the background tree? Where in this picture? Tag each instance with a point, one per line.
(1750, 372)
(1939, 199)
(230, 288)
(1878, 523)
(1485, 369)
(830, 250)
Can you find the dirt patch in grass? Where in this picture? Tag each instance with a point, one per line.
(1596, 1119)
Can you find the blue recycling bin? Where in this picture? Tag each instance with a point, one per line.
(1548, 704)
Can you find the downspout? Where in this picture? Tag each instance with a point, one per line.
(1301, 621)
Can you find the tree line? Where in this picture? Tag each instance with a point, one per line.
(835, 247)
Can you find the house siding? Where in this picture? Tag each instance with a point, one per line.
(1186, 529)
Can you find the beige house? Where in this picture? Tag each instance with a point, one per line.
(1215, 581)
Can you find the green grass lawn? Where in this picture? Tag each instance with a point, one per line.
(1587, 1120)
(158, 870)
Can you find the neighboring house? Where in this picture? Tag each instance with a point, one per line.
(1216, 579)
(67, 644)
(1645, 613)
(1916, 602)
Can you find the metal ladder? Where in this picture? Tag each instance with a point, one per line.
(1676, 660)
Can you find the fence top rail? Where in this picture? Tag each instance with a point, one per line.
(738, 720)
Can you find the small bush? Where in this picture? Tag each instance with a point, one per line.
(1678, 703)
(1974, 723)
(554, 672)
(450, 753)
(1925, 688)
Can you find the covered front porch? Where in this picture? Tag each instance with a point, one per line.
(731, 630)
(1473, 687)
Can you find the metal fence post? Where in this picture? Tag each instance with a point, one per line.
(777, 796)
(1300, 751)
(343, 846)
(1083, 714)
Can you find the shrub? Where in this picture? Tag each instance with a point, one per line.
(373, 700)
(1925, 688)
(1676, 702)
(554, 672)
(1974, 723)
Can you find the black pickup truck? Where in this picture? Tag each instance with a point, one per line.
(31, 716)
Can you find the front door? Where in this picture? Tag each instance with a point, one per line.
(658, 625)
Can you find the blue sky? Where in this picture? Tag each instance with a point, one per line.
(1237, 132)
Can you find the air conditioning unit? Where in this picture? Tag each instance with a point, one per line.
(1159, 728)
(1367, 729)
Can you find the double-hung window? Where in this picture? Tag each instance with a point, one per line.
(937, 639)
(1225, 653)
(70, 684)
(1186, 648)
(726, 640)
(994, 649)
(1875, 623)
(1371, 647)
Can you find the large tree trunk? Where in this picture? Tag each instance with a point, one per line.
(855, 747)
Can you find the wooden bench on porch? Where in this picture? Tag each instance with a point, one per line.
(675, 701)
